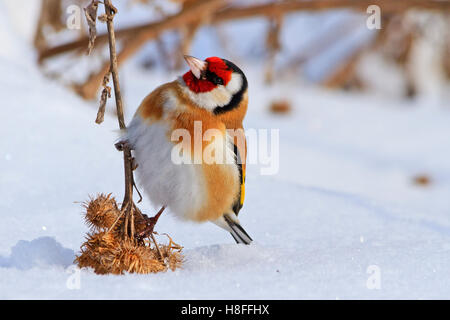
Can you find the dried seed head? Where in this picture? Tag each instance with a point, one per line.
(101, 212)
(108, 252)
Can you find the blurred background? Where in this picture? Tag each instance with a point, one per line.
(336, 44)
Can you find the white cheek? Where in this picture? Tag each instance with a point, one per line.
(220, 95)
(217, 97)
(235, 83)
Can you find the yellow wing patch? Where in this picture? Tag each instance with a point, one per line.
(242, 187)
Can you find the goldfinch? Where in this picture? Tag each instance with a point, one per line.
(211, 97)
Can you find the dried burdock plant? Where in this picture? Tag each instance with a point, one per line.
(106, 251)
(101, 212)
(121, 239)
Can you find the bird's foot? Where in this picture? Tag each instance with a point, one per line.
(122, 145)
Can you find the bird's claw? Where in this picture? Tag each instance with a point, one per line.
(121, 145)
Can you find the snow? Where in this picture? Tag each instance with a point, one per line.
(42, 252)
(341, 213)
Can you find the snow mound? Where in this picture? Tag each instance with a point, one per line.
(43, 252)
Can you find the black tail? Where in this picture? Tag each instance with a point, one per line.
(238, 233)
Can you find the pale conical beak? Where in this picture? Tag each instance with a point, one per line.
(196, 65)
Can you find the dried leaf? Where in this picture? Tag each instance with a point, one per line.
(91, 16)
(106, 93)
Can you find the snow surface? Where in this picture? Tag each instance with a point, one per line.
(342, 203)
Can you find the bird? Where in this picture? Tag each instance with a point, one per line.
(212, 96)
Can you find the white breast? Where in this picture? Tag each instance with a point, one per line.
(179, 187)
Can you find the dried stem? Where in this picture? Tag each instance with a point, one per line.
(127, 204)
(129, 209)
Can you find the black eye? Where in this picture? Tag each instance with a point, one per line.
(212, 77)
